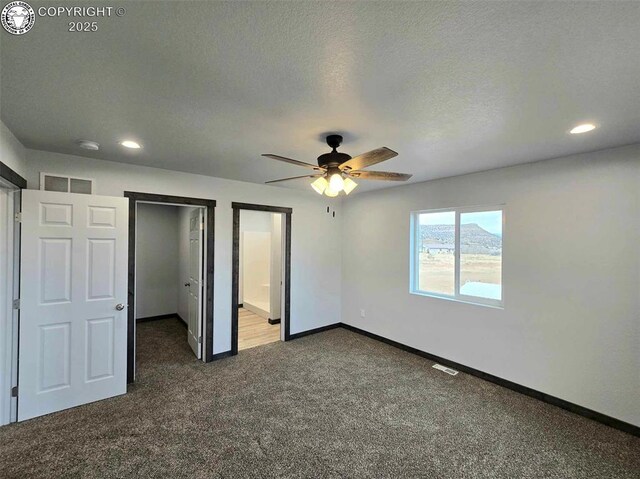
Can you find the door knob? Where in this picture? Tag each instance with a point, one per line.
(187, 284)
(120, 306)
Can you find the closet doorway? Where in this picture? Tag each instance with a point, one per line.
(171, 241)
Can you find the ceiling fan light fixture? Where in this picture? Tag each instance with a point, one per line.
(336, 183)
(320, 185)
(349, 185)
(330, 192)
(335, 170)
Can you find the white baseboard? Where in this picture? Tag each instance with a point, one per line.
(254, 309)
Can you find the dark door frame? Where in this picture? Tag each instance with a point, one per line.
(134, 198)
(12, 177)
(235, 268)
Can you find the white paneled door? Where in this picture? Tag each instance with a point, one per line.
(196, 228)
(73, 311)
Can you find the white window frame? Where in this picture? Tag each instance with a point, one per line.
(415, 256)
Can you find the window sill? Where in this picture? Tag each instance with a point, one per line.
(496, 305)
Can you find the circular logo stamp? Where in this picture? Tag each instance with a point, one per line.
(18, 17)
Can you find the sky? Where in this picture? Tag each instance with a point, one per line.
(444, 218)
(490, 221)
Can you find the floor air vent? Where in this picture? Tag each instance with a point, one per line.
(447, 370)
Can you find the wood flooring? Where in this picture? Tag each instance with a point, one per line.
(255, 331)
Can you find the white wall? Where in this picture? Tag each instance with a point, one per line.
(315, 236)
(12, 153)
(256, 270)
(276, 266)
(157, 254)
(184, 215)
(571, 318)
(260, 262)
(250, 221)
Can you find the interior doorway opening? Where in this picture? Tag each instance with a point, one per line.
(169, 270)
(9, 292)
(260, 278)
(200, 213)
(283, 293)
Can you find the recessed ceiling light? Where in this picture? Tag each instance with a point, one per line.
(585, 127)
(88, 145)
(131, 144)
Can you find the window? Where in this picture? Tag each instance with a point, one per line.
(65, 184)
(457, 254)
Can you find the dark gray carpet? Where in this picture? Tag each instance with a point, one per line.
(334, 404)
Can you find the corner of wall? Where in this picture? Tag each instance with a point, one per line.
(12, 151)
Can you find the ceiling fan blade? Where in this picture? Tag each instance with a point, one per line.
(294, 178)
(293, 162)
(369, 158)
(380, 175)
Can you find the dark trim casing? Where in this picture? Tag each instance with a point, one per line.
(273, 321)
(12, 177)
(226, 354)
(315, 330)
(255, 207)
(574, 408)
(287, 278)
(163, 316)
(235, 280)
(182, 319)
(555, 401)
(156, 318)
(235, 267)
(135, 197)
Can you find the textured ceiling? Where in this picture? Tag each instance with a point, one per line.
(209, 86)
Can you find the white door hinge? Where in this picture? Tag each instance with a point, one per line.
(200, 340)
(18, 217)
(16, 304)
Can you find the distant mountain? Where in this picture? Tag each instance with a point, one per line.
(473, 238)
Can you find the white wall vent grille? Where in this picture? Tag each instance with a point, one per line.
(447, 370)
(66, 184)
